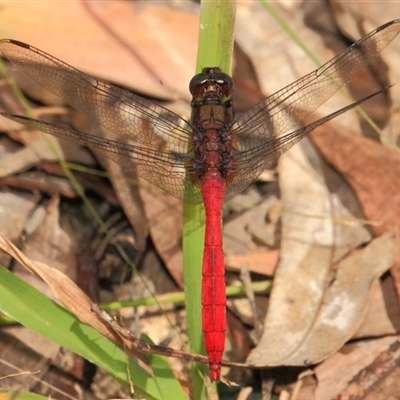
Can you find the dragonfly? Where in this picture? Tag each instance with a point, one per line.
(219, 153)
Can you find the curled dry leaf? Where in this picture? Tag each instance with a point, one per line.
(316, 306)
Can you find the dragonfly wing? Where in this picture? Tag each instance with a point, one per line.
(157, 140)
(163, 169)
(271, 127)
(114, 108)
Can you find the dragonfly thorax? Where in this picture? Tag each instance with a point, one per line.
(212, 117)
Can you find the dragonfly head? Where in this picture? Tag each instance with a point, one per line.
(211, 85)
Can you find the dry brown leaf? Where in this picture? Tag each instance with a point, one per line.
(115, 40)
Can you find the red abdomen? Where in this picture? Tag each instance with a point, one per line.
(213, 290)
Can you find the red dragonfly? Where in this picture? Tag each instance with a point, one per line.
(220, 153)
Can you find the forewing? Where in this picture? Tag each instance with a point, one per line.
(156, 140)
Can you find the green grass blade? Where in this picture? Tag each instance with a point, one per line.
(215, 48)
